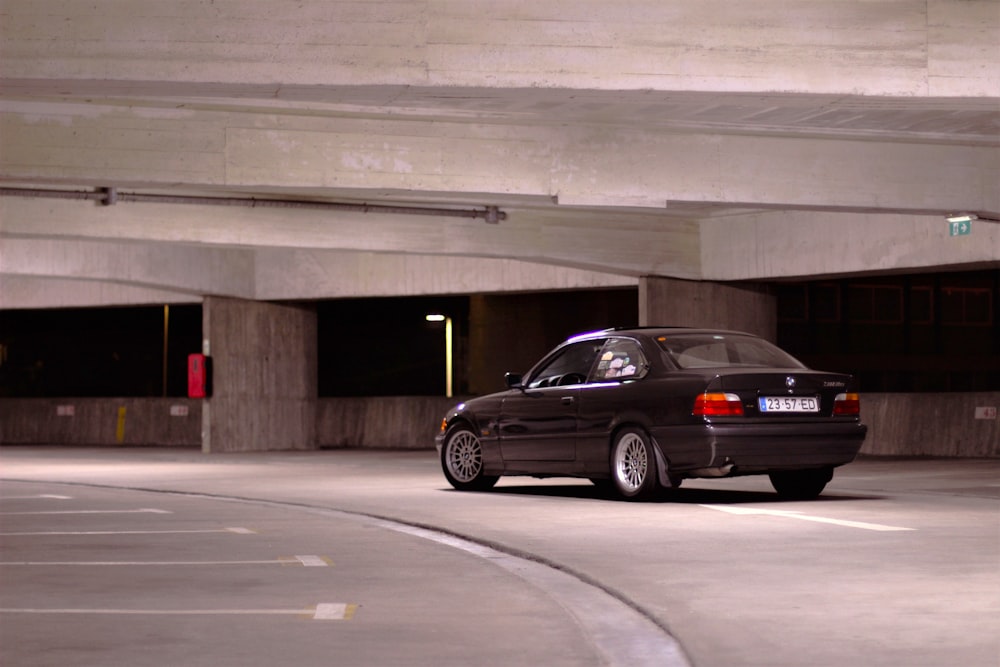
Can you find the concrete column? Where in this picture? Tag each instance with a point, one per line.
(264, 376)
(742, 307)
(506, 334)
(510, 332)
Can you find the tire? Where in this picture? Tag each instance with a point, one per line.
(801, 484)
(633, 465)
(462, 461)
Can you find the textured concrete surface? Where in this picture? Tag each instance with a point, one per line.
(897, 563)
(942, 424)
(694, 139)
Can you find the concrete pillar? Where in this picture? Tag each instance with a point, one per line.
(742, 307)
(510, 332)
(264, 376)
(506, 334)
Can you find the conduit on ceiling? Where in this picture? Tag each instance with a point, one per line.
(111, 196)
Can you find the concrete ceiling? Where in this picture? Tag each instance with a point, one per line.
(568, 231)
(971, 121)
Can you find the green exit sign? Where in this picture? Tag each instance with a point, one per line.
(959, 227)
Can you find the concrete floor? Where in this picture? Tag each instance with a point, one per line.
(149, 556)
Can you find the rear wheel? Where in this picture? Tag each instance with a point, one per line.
(633, 465)
(801, 484)
(462, 461)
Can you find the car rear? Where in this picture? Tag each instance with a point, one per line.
(758, 409)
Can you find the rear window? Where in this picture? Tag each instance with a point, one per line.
(725, 350)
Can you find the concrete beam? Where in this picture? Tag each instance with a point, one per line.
(190, 270)
(147, 265)
(627, 166)
(798, 245)
(281, 274)
(896, 47)
(580, 165)
(317, 274)
(605, 241)
(25, 292)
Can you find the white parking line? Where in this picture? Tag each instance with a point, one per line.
(324, 611)
(50, 496)
(238, 531)
(795, 514)
(306, 561)
(139, 511)
(334, 611)
(313, 561)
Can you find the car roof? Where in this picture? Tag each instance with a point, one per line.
(654, 331)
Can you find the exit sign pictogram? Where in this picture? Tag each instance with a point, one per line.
(959, 228)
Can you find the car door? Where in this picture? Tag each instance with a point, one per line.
(539, 422)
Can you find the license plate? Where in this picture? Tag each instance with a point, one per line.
(788, 404)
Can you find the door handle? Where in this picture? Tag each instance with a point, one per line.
(567, 400)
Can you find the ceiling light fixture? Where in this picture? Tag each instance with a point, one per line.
(969, 217)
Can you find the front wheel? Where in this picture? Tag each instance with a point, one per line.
(462, 461)
(633, 465)
(801, 484)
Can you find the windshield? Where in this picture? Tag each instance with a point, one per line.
(724, 350)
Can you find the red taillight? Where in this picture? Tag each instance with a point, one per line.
(847, 404)
(718, 405)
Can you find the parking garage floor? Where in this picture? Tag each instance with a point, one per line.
(151, 556)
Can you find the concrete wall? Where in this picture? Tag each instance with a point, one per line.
(782, 244)
(932, 424)
(390, 422)
(101, 421)
(942, 425)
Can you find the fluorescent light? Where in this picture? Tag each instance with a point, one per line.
(966, 217)
(448, 348)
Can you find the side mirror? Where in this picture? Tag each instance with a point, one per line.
(513, 380)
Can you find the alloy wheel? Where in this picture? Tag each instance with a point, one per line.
(464, 456)
(631, 462)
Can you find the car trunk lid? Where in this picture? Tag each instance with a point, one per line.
(783, 393)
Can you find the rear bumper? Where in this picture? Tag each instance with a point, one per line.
(758, 448)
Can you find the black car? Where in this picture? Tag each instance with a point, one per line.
(636, 410)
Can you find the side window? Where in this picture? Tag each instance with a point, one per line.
(570, 366)
(620, 359)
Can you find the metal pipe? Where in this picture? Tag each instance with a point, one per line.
(53, 194)
(109, 196)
